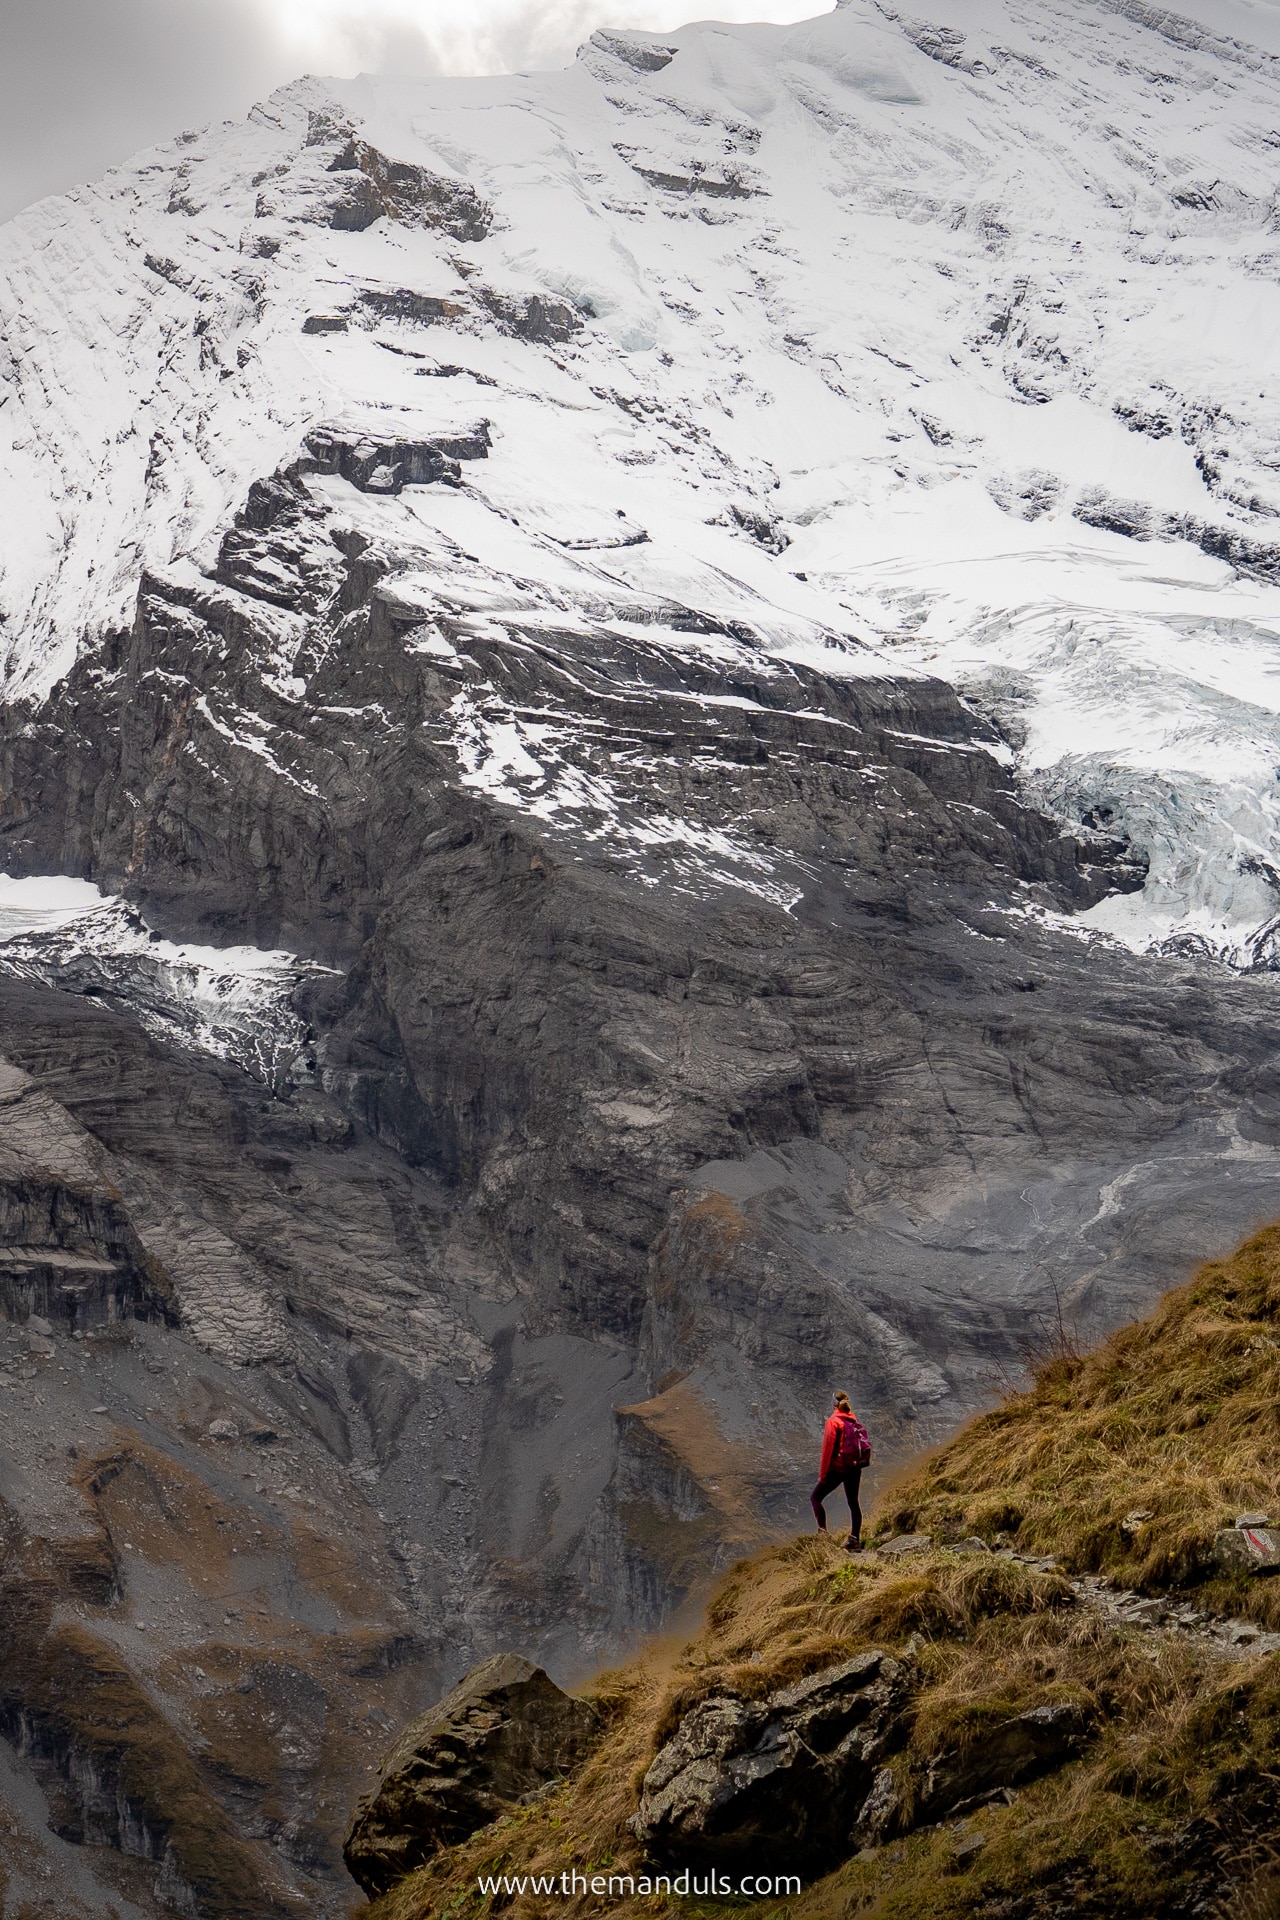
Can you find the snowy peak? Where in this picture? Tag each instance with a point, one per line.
(940, 342)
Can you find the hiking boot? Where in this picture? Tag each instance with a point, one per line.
(853, 1544)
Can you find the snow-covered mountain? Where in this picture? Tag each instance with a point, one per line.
(637, 778)
(952, 343)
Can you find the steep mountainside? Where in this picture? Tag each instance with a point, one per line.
(1027, 1707)
(638, 776)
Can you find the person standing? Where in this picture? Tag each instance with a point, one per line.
(846, 1450)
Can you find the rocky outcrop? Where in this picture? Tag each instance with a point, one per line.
(503, 1733)
(386, 463)
(798, 1778)
(117, 1772)
(538, 317)
(68, 1251)
(341, 180)
(780, 1779)
(1003, 1755)
(637, 51)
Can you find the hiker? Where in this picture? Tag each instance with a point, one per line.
(846, 1450)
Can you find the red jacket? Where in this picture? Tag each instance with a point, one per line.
(832, 1434)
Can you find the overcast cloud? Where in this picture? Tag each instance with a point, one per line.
(85, 83)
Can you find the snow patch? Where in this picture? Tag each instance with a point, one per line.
(519, 764)
(234, 1003)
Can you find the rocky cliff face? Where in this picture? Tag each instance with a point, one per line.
(586, 951)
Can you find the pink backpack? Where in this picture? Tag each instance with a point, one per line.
(854, 1449)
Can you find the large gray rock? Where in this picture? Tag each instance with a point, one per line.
(751, 1780)
(1247, 1549)
(904, 1543)
(503, 1733)
(798, 1777)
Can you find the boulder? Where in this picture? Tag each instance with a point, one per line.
(903, 1543)
(498, 1738)
(1247, 1549)
(1017, 1749)
(743, 1781)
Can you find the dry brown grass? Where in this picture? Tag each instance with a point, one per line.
(1180, 1736)
(1178, 1415)
(1175, 1791)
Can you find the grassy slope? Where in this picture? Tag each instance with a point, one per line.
(1174, 1798)
(1177, 1416)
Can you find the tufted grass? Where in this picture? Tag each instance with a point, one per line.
(1177, 1416)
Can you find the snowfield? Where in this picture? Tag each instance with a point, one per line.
(938, 346)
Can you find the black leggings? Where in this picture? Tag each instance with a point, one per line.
(828, 1484)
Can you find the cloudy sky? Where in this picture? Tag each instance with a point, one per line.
(85, 83)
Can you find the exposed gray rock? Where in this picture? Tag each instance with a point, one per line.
(413, 195)
(342, 181)
(68, 1249)
(634, 50)
(1004, 1755)
(361, 456)
(535, 316)
(501, 1735)
(879, 1812)
(781, 1778)
(904, 1543)
(1247, 1549)
(1221, 1636)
